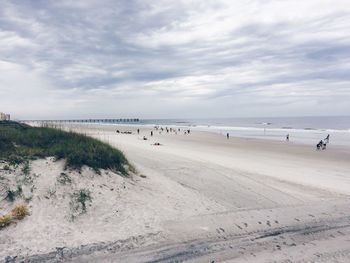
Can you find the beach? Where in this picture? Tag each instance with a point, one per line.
(218, 189)
(201, 197)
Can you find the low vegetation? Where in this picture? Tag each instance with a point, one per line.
(79, 201)
(64, 179)
(20, 143)
(12, 194)
(19, 212)
(83, 196)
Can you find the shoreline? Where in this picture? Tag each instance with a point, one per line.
(299, 136)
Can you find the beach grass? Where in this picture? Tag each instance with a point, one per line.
(19, 212)
(20, 142)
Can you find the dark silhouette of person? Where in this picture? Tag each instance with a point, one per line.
(319, 145)
(228, 136)
(138, 131)
(287, 138)
(327, 139)
(151, 133)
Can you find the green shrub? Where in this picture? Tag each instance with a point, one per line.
(19, 142)
(26, 168)
(11, 195)
(79, 201)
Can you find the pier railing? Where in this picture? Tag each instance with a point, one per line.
(130, 120)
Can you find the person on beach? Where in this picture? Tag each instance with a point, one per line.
(321, 145)
(151, 133)
(227, 135)
(138, 131)
(287, 138)
(327, 139)
(324, 145)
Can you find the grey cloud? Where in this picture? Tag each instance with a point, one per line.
(108, 51)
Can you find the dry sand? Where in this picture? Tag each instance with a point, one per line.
(200, 198)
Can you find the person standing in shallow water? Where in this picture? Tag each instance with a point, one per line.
(227, 135)
(287, 138)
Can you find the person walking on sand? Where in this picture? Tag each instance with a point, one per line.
(227, 136)
(151, 133)
(287, 138)
(138, 131)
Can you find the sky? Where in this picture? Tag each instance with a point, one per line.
(174, 59)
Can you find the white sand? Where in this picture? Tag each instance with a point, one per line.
(237, 199)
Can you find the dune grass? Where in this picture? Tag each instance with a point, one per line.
(20, 142)
(19, 212)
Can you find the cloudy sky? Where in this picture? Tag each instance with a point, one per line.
(168, 59)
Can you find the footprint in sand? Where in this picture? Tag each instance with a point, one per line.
(268, 223)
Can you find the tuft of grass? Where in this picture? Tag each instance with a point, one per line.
(80, 199)
(20, 142)
(11, 195)
(64, 178)
(5, 220)
(19, 211)
(26, 168)
(83, 197)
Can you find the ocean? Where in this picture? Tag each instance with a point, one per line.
(307, 130)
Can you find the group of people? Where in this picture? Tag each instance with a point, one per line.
(171, 130)
(323, 143)
(160, 130)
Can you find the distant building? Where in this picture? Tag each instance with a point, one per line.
(4, 117)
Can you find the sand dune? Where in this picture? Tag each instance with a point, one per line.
(202, 197)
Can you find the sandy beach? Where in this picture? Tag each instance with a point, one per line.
(198, 197)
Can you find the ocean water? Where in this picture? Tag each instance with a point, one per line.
(307, 130)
